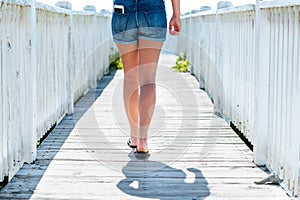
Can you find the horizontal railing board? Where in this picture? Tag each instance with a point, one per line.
(279, 3)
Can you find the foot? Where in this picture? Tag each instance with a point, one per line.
(141, 150)
(142, 146)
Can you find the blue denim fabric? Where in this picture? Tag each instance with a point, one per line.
(142, 19)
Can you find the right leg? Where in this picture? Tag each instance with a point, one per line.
(130, 58)
(149, 52)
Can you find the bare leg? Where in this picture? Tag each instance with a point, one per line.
(149, 52)
(130, 58)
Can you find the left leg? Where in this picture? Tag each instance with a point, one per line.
(149, 52)
(130, 59)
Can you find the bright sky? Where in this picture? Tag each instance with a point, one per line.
(186, 5)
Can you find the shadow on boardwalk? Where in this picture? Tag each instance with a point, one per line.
(152, 179)
(25, 182)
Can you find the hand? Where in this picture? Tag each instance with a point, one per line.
(175, 25)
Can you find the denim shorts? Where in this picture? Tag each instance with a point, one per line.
(141, 19)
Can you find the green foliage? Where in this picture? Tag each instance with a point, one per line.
(116, 64)
(38, 143)
(113, 56)
(182, 64)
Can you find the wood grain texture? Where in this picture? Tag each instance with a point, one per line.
(193, 155)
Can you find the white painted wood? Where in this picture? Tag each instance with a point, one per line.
(29, 131)
(13, 91)
(52, 53)
(279, 3)
(262, 85)
(88, 65)
(284, 45)
(295, 125)
(37, 45)
(2, 167)
(252, 74)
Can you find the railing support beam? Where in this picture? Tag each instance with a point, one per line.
(262, 81)
(29, 135)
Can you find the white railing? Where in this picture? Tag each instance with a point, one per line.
(253, 76)
(49, 57)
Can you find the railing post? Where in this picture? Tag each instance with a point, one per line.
(29, 134)
(1, 107)
(71, 72)
(295, 148)
(261, 62)
(294, 155)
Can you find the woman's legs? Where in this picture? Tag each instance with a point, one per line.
(130, 58)
(149, 52)
(140, 63)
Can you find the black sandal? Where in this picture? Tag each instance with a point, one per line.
(130, 145)
(141, 154)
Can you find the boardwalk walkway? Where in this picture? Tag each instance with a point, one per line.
(194, 154)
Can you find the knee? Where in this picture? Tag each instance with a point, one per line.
(131, 82)
(148, 86)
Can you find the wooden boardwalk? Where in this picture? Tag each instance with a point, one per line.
(194, 154)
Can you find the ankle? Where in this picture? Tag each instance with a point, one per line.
(142, 144)
(134, 140)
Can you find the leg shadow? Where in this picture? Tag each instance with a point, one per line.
(152, 179)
